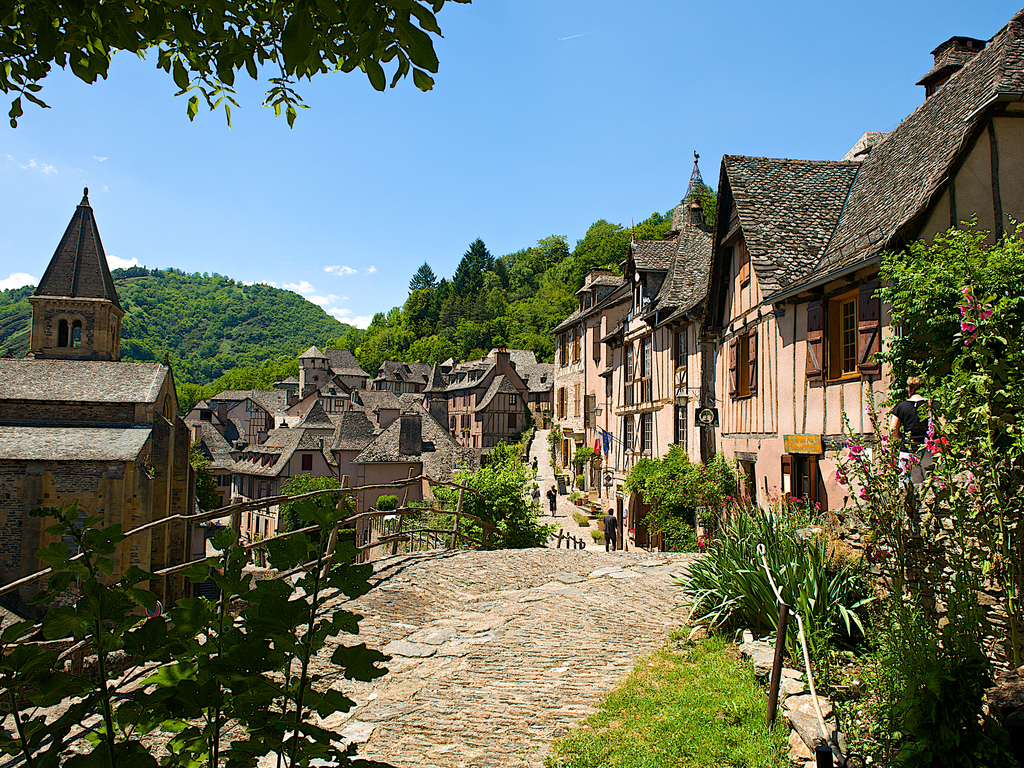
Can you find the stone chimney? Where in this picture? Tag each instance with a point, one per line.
(385, 417)
(502, 357)
(410, 438)
(222, 413)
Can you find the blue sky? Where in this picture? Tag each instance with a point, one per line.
(546, 116)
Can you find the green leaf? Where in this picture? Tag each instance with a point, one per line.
(422, 80)
(297, 38)
(418, 44)
(193, 108)
(180, 75)
(375, 72)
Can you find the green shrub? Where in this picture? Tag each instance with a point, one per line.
(580, 518)
(679, 536)
(580, 481)
(387, 502)
(932, 683)
(729, 588)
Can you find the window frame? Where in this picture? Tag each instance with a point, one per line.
(838, 337)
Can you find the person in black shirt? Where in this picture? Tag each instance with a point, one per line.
(910, 429)
(552, 495)
(611, 529)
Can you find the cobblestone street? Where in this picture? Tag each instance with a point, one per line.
(496, 654)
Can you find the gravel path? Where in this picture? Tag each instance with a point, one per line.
(496, 654)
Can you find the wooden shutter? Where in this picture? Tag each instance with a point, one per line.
(869, 330)
(814, 367)
(733, 354)
(752, 362)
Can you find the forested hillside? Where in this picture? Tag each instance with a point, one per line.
(221, 334)
(208, 324)
(512, 301)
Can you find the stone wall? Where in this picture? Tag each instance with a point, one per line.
(42, 414)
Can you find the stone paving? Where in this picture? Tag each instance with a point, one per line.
(497, 654)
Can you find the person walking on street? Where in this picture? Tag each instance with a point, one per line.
(611, 529)
(535, 496)
(552, 501)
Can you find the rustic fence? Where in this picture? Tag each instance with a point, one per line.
(373, 529)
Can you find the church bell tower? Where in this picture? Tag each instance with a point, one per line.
(76, 314)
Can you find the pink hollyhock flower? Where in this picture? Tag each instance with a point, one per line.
(968, 327)
(986, 313)
(863, 493)
(856, 450)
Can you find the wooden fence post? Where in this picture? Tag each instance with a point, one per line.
(780, 647)
(401, 516)
(455, 527)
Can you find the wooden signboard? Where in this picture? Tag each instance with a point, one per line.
(803, 444)
(561, 485)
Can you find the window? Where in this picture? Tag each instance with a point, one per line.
(512, 400)
(561, 402)
(842, 337)
(646, 432)
(76, 334)
(512, 421)
(307, 462)
(627, 433)
(681, 434)
(576, 401)
(563, 349)
(576, 345)
(62, 333)
(743, 365)
(645, 356)
(453, 423)
(680, 349)
(629, 362)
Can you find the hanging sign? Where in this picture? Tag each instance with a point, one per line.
(707, 417)
(811, 444)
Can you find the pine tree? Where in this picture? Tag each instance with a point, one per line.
(424, 278)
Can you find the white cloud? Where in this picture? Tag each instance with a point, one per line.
(32, 165)
(370, 270)
(303, 286)
(271, 283)
(339, 269)
(360, 321)
(98, 159)
(16, 280)
(117, 263)
(340, 312)
(323, 301)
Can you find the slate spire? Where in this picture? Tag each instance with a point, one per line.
(79, 268)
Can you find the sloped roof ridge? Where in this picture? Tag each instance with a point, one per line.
(903, 174)
(78, 268)
(316, 416)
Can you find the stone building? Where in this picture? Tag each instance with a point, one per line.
(78, 425)
(482, 402)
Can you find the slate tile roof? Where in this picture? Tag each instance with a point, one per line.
(905, 172)
(271, 400)
(653, 255)
(280, 446)
(71, 443)
(686, 285)
(344, 363)
(539, 377)
(354, 432)
(621, 293)
(788, 210)
(374, 399)
(86, 381)
(411, 401)
(393, 370)
(213, 445)
(500, 385)
(316, 417)
(438, 452)
(313, 353)
(518, 357)
(79, 268)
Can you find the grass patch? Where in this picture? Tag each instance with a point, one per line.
(686, 706)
